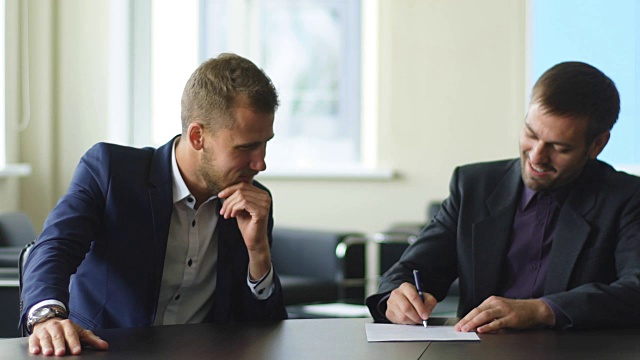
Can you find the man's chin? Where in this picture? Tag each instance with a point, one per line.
(536, 185)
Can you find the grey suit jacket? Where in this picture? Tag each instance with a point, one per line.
(594, 267)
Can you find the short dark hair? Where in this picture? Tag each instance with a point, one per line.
(216, 86)
(579, 90)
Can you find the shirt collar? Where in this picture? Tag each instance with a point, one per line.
(558, 196)
(180, 189)
(527, 196)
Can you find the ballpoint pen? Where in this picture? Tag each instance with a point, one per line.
(416, 279)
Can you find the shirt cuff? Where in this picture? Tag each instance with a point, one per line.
(263, 287)
(563, 321)
(382, 306)
(45, 303)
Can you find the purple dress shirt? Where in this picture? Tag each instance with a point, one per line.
(527, 259)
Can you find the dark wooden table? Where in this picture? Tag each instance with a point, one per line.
(341, 339)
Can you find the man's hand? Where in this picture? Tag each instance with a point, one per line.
(56, 336)
(405, 307)
(498, 313)
(250, 206)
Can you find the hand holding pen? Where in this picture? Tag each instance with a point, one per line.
(404, 307)
(416, 279)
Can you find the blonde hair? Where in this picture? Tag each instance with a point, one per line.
(214, 88)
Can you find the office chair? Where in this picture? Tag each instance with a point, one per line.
(22, 259)
(16, 230)
(319, 266)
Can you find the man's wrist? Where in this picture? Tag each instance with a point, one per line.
(547, 316)
(45, 313)
(259, 263)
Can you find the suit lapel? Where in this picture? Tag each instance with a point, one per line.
(491, 235)
(226, 243)
(161, 203)
(572, 231)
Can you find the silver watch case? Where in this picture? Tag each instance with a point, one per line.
(44, 313)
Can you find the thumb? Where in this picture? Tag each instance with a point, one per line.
(87, 337)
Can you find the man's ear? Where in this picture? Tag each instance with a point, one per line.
(598, 144)
(195, 135)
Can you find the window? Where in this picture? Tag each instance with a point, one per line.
(605, 34)
(310, 49)
(3, 142)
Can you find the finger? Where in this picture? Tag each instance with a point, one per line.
(34, 344)
(401, 309)
(423, 308)
(232, 203)
(230, 190)
(228, 209)
(89, 338)
(494, 325)
(71, 337)
(255, 205)
(57, 338)
(44, 338)
(478, 318)
(430, 302)
(399, 314)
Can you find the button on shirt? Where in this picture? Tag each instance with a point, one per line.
(528, 256)
(527, 260)
(190, 271)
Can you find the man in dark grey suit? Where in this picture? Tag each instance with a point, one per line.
(550, 239)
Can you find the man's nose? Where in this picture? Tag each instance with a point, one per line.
(257, 160)
(539, 153)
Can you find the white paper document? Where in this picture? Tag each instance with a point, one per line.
(337, 310)
(393, 332)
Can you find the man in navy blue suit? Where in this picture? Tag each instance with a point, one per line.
(174, 235)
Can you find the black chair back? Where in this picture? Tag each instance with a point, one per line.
(16, 229)
(22, 259)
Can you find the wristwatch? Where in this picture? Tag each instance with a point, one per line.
(45, 313)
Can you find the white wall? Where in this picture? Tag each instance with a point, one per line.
(452, 78)
(452, 85)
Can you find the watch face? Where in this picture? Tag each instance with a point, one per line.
(42, 312)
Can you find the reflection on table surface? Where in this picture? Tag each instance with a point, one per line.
(343, 338)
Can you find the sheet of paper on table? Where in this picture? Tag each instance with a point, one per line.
(337, 310)
(393, 332)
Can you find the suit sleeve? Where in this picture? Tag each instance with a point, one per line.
(614, 304)
(433, 254)
(67, 233)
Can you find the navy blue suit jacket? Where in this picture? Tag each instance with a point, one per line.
(111, 231)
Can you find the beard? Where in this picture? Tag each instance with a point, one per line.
(213, 179)
(559, 179)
